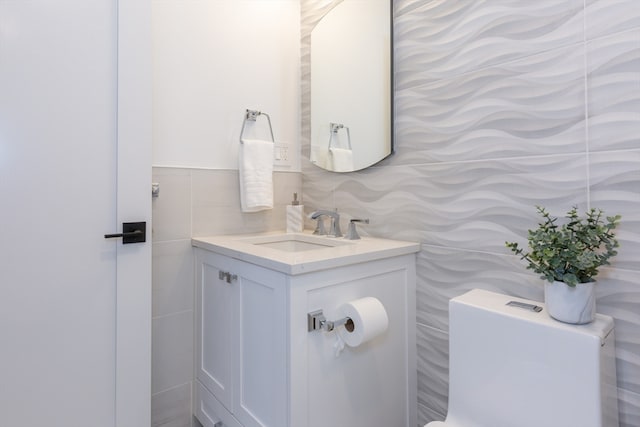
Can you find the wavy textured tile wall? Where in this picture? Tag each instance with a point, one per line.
(614, 91)
(501, 105)
(436, 40)
(532, 106)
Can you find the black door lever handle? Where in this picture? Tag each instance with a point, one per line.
(132, 232)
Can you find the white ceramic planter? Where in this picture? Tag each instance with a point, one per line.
(568, 304)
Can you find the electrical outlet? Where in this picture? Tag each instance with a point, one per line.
(281, 154)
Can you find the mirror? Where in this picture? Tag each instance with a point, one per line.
(351, 86)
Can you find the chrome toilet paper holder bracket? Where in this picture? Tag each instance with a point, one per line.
(316, 321)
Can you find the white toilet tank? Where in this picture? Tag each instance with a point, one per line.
(514, 366)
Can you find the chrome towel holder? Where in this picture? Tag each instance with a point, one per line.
(334, 128)
(252, 116)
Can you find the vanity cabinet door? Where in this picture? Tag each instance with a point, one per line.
(260, 347)
(241, 339)
(214, 327)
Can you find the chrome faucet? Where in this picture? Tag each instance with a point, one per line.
(335, 223)
(352, 233)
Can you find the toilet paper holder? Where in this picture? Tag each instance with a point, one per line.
(316, 321)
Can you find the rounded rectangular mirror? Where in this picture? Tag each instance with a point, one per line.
(351, 86)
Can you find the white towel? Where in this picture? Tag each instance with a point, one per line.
(256, 175)
(319, 156)
(341, 159)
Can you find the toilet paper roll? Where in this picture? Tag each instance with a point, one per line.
(368, 320)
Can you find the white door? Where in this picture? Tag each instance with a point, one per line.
(74, 307)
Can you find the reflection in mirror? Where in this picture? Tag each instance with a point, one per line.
(351, 86)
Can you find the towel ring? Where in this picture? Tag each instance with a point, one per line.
(334, 128)
(252, 116)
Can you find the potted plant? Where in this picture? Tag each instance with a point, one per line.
(568, 256)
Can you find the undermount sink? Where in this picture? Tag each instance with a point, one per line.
(295, 242)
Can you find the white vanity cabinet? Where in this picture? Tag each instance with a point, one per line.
(258, 365)
(241, 343)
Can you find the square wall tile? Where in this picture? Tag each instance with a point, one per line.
(172, 408)
(171, 210)
(173, 280)
(172, 351)
(216, 188)
(216, 202)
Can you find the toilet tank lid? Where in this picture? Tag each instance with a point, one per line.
(499, 303)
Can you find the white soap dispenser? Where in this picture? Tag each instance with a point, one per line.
(295, 216)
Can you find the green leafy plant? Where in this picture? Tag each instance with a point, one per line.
(572, 252)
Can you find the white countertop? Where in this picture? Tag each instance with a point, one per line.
(305, 261)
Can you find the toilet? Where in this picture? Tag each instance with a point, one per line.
(512, 365)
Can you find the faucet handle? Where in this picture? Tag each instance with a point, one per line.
(335, 226)
(320, 231)
(352, 233)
